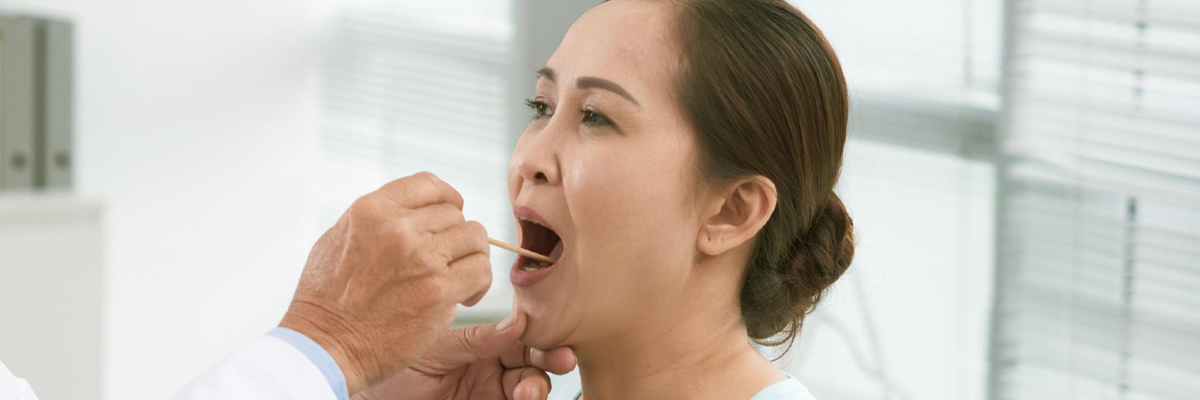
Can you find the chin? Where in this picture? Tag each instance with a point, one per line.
(544, 331)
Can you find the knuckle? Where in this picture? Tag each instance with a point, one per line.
(476, 230)
(452, 190)
(476, 270)
(450, 209)
(426, 175)
(445, 211)
(482, 262)
(428, 258)
(413, 262)
(395, 197)
(428, 180)
(485, 276)
(403, 233)
(480, 236)
(362, 206)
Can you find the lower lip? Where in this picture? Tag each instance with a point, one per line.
(523, 278)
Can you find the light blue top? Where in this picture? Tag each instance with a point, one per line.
(787, 389)
(319, 357)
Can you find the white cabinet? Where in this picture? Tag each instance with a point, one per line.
(51, 293)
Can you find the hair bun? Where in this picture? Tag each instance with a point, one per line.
(821, 255)
(814, 261)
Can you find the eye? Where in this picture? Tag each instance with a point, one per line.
(592, 117)
(540, 108)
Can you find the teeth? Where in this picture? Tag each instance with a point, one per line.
(533, 266)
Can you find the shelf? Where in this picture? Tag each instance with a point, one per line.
(46, 207)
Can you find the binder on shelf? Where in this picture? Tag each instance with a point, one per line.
(57, 112)
(17, 103)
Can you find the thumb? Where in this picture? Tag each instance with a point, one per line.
(462, 346)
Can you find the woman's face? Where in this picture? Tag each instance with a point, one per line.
(608, 164)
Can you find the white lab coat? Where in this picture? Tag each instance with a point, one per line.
(12, 387)
(265, 367)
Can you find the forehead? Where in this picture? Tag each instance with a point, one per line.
(627, 41)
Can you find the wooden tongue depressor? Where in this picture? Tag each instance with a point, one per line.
(521, 251)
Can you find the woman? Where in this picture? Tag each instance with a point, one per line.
(680, 167)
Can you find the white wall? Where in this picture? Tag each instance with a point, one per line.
(195, 127)
(50, 292)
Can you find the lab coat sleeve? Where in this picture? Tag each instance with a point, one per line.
(283, 364)
(12, 387)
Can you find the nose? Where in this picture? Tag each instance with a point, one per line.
(537, 161)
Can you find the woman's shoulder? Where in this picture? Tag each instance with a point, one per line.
(565, 387)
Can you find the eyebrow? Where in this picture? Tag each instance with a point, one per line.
(586, 82)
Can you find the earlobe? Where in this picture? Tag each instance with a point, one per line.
(736, 215)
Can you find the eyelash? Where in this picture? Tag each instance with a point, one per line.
(540, 108)
(591, 117)
(594, 118)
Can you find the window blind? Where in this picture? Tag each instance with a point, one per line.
(921, 74)
(922, 49)
(413, 86)
(1098, 283)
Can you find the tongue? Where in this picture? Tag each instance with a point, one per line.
(557, 252)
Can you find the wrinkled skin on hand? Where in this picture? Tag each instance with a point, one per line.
(381, 286)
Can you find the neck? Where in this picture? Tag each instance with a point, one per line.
(690, 352)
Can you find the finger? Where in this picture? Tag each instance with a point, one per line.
(421, 189)
(472, 277)
(462, 240)
(527, 383)
(558, 361)
(437, 218)
(517, 357)
(458, 347)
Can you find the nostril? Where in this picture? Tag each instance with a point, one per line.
(540, 177)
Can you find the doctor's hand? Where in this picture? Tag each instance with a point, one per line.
(382, 284)
(478, 362)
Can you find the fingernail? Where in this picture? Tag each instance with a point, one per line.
(507, 322)
(533, 393)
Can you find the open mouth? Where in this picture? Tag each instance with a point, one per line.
(538, 239)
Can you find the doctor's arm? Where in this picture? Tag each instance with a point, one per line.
(378, 292)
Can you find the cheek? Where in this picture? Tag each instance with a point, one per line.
(514, 176)
(634, 233)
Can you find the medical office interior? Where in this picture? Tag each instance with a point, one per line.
(1024, 177)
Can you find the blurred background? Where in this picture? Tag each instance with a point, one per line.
(1024, 177)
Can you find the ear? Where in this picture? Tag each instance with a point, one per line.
(736, 214)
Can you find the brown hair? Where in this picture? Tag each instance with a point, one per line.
(765, 93)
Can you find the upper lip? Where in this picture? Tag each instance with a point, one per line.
(524, 212)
